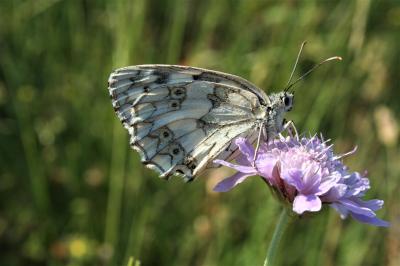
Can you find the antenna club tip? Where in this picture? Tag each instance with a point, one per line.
(339, 58)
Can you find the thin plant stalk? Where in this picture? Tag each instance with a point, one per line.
(280, 228)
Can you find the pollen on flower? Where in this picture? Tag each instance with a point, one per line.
(305, 173)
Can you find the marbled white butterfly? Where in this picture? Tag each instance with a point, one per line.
(181, 118)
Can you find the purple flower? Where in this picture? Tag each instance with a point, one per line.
(305, 173)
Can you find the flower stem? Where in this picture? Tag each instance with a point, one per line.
(276, 238)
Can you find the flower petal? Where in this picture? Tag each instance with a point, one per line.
(304, 203)
(230, 182)
(246, 148)
(335, 193)
(340, 209)
(265, 165)
(374, 204)
(240, 168)
(357, 184)
(242, 160)
(370, 220)
(328, 183)
(312, 179)
(355, 208)
(293, 177)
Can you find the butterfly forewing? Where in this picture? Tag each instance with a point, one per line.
(181, 118)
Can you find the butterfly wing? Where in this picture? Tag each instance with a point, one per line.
(181, 118)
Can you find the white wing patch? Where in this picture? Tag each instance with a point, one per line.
(181, 118)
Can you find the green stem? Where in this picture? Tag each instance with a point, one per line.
(276, 238)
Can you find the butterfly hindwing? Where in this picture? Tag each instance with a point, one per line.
(181, 118)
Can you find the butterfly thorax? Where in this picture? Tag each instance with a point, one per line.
(280, 103)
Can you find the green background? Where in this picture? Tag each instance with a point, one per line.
(73, 193)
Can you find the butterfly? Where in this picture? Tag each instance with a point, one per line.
(181, 118)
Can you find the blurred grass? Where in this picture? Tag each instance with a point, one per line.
(72, 192)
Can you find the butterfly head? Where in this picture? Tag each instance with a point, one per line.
(282, 101)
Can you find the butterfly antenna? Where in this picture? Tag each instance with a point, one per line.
(312, 69)
(295, 65)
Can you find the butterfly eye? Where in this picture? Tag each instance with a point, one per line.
(287, 101)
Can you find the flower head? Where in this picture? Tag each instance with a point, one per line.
(305, 173)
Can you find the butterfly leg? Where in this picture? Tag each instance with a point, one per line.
(258, 144)
(290, 127)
